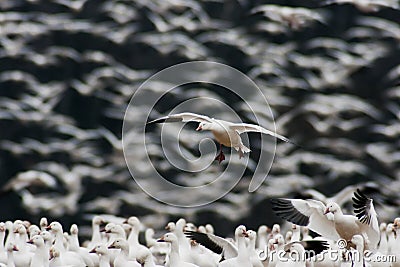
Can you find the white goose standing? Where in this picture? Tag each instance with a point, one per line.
(133, 238)
(122, 259)
(103, 253)
(40, 257)
(254, 258)
(175, 259)
(226, 133)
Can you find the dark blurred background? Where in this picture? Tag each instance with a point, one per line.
(69, 67)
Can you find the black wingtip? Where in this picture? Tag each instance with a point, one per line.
(361, 205)
(204, 240)
(317, 246)
(284, 209)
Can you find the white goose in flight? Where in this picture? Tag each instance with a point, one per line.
(226, 133)
(312, 213)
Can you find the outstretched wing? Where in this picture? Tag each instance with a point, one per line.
(182, 117)
(214, 243)
(246, 127)
(305, 213)
(367, 216)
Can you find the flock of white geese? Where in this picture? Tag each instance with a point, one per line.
(316, 227)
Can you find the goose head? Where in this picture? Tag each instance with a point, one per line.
(168, 237)
(100, 249)
(241, 231)
(170, 226)
(37, 240)
(251, 235)
(120, 243)
(204, 126)
(55, 227)
(332, 208)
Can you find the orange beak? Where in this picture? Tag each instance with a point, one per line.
(326, 211)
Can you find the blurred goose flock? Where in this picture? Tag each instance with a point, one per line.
(330, 71)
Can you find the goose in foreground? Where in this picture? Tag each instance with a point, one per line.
(226, 133)
(313, 213)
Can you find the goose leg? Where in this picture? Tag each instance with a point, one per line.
(220, 157)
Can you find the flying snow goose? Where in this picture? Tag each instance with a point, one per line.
(364, 223)
(226, 133)
(308, 213)
(175, 259)
(313, 213)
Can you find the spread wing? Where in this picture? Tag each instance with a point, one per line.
(305, 213)
(182, 117)
(214, 243)
(246, 127)
(367, 216)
